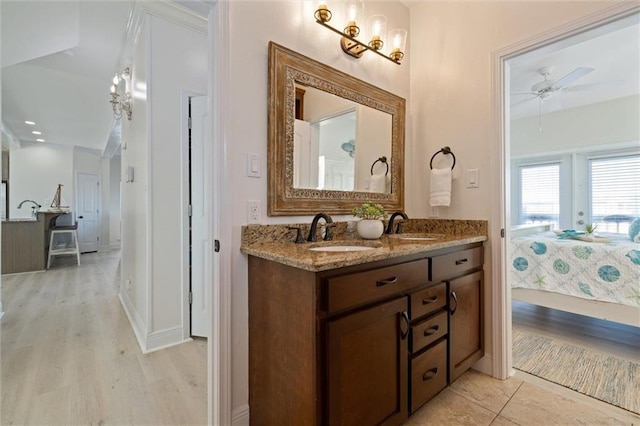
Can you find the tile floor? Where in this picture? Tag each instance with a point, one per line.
(477, 399)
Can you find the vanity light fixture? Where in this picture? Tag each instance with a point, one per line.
(376, 29)
(121, 105)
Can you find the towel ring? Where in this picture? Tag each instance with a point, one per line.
(444, 150)
(382, 159)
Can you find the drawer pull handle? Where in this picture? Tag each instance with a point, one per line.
(430, 374)
(432, 300)
(454, 296)
(461, 261)
(432, 330)
(387, 281)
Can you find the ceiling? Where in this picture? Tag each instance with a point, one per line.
(613, 51)
(65, 93)
(67, 54)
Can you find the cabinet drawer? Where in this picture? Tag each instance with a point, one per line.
(368, 286)
(428, 300)
(455, 264)
(428, 375)
(428, 331)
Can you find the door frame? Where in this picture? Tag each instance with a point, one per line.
(184, 202)
(500, 215)
(77, 200)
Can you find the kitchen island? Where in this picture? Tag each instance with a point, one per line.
(25, 242)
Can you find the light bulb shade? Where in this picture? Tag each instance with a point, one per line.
(353, 11)
(322, 13)
(398, 40)
(376, 31)
(116, 79)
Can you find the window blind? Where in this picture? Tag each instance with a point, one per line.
(614, 192)
(540, 193)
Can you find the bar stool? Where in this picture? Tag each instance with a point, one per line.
(71, 230)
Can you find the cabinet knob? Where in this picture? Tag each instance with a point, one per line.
(430, 374)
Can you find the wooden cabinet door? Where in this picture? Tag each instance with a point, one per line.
(465, 323)
(366, 362)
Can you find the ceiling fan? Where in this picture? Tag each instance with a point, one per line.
(547, 88)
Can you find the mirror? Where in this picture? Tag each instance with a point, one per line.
(334, 141)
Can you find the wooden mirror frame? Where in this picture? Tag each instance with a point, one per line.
(287, 67)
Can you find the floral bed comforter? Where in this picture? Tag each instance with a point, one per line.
(607, 271)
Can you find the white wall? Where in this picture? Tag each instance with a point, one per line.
(451, 86)
(35, 172)
(178, 62)
(291, 24)
(114, 202)
(604, 123)
(134, 195)
(168, 60)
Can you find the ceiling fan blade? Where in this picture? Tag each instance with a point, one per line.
(592, 86)
(523, 101)
(572, 76)
(524, 93)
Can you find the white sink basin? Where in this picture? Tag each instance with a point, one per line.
(342, 249)
(417, 237)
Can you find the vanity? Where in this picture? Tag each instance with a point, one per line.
(363, 337)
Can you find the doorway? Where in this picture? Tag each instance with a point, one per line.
(502, 362)
(199, 246)
(88, 211)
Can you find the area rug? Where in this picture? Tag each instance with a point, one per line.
(600, 376)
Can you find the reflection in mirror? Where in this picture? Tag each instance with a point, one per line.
(327, 131)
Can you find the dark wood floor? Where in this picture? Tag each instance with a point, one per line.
(602, 336)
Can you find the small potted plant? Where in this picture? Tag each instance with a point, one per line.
(590, 230)
(370, 227)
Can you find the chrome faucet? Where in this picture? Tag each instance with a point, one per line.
(389, 229)
(36, 205)
(314, 226)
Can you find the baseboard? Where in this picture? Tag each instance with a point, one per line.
(134, 319)
(166, 338)
(240, 416)
(484, 365)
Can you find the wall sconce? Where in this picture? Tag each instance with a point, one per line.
(124, 105)
(376, 32)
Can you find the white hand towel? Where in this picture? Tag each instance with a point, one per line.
(440, 187)
(378, 184)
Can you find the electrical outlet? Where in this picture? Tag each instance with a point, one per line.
(253, 211)
(434, 212)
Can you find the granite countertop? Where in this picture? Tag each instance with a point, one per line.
(299, 255)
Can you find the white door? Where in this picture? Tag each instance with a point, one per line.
(87, 211)
(200, 245)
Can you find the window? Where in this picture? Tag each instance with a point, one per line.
(540, 194)
(614, 185)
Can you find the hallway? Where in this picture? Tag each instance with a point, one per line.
(69, 355)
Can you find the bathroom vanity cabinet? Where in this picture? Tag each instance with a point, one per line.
(365, 344)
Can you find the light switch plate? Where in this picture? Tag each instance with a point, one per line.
(473, 178)
(253, 165)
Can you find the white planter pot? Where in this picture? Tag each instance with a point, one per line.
(370, 229)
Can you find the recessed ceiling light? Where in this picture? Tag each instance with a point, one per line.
(39, 140)
(35, 132)
(30, 123)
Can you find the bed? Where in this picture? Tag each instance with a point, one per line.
(596, 279)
